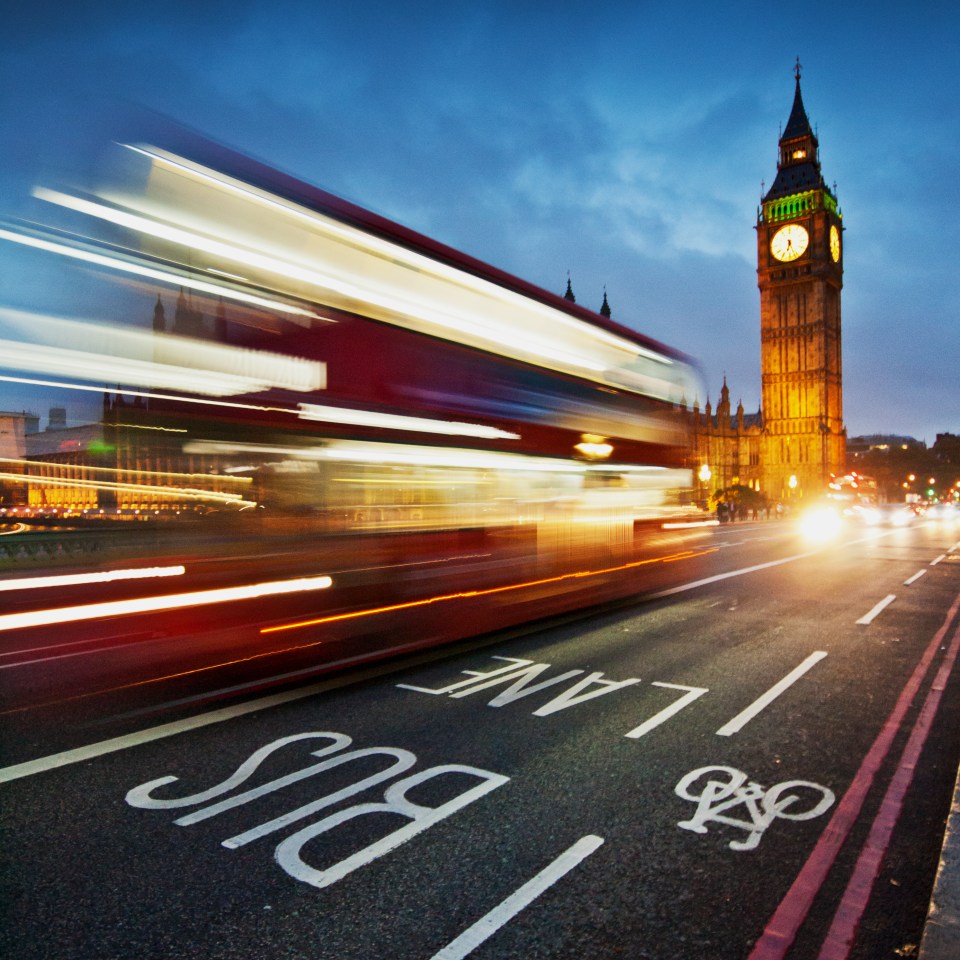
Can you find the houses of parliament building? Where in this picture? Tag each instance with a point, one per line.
(790, 447)
(795, 442)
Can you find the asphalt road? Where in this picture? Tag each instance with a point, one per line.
(752, 759)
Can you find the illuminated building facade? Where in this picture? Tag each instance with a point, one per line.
(728, 444)
(789, 449)
(800, 276)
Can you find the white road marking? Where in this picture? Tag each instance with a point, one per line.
(942, 556)
(667, 712)
(762, 806)
(93, 750)
(875, 612)
(745, 716)
(489, 924)
(683, 587)
(914, 578)
(90, 751)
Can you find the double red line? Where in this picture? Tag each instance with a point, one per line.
(782, 928)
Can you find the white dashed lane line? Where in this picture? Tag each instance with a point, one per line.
(875, 612)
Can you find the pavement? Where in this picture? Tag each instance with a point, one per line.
(941, 935)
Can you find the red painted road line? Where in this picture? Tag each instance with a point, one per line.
(782, 927)
(843, 930)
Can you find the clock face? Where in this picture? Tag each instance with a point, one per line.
(834, 243)
(789, 242)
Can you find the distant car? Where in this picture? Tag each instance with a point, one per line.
(884, 515)
(942, 511)
(896, 514)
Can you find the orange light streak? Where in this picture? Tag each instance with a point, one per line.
(685, 555)
(467, 594)
(168, 676)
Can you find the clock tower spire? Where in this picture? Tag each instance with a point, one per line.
(800, 276)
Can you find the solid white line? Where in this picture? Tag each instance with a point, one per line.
(914, 578)
(745, 716)
(78, 755)
(93, 750)
(942, 556)
(885, 602)
(683, 587)
(489, 924)
(731, 573)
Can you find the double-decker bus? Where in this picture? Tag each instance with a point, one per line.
(323, 387)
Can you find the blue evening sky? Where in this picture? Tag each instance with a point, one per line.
(623, 142)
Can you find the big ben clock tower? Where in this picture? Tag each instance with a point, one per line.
(800, 275)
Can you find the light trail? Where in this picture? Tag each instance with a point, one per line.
(128, 265)
(78, 579)
(470, 594)
(168, 676)
(113, 608)
(347, 616)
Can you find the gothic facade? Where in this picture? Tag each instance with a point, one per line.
(789, 449)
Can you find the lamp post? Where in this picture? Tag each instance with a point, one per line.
(824, 469)
(703, 475)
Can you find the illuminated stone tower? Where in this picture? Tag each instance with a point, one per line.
(800, 275)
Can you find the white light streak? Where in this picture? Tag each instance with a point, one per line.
(146, 490)
(203, 401)
(98, 351)
(152, 273)
(524, 328)
(115, 608)
(80, 579)
(390, 421)
(388, 250)
(442, 457)
(66, 362)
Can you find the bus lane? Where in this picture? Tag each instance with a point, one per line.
(426, 815)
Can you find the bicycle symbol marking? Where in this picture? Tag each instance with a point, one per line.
(718, 789)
